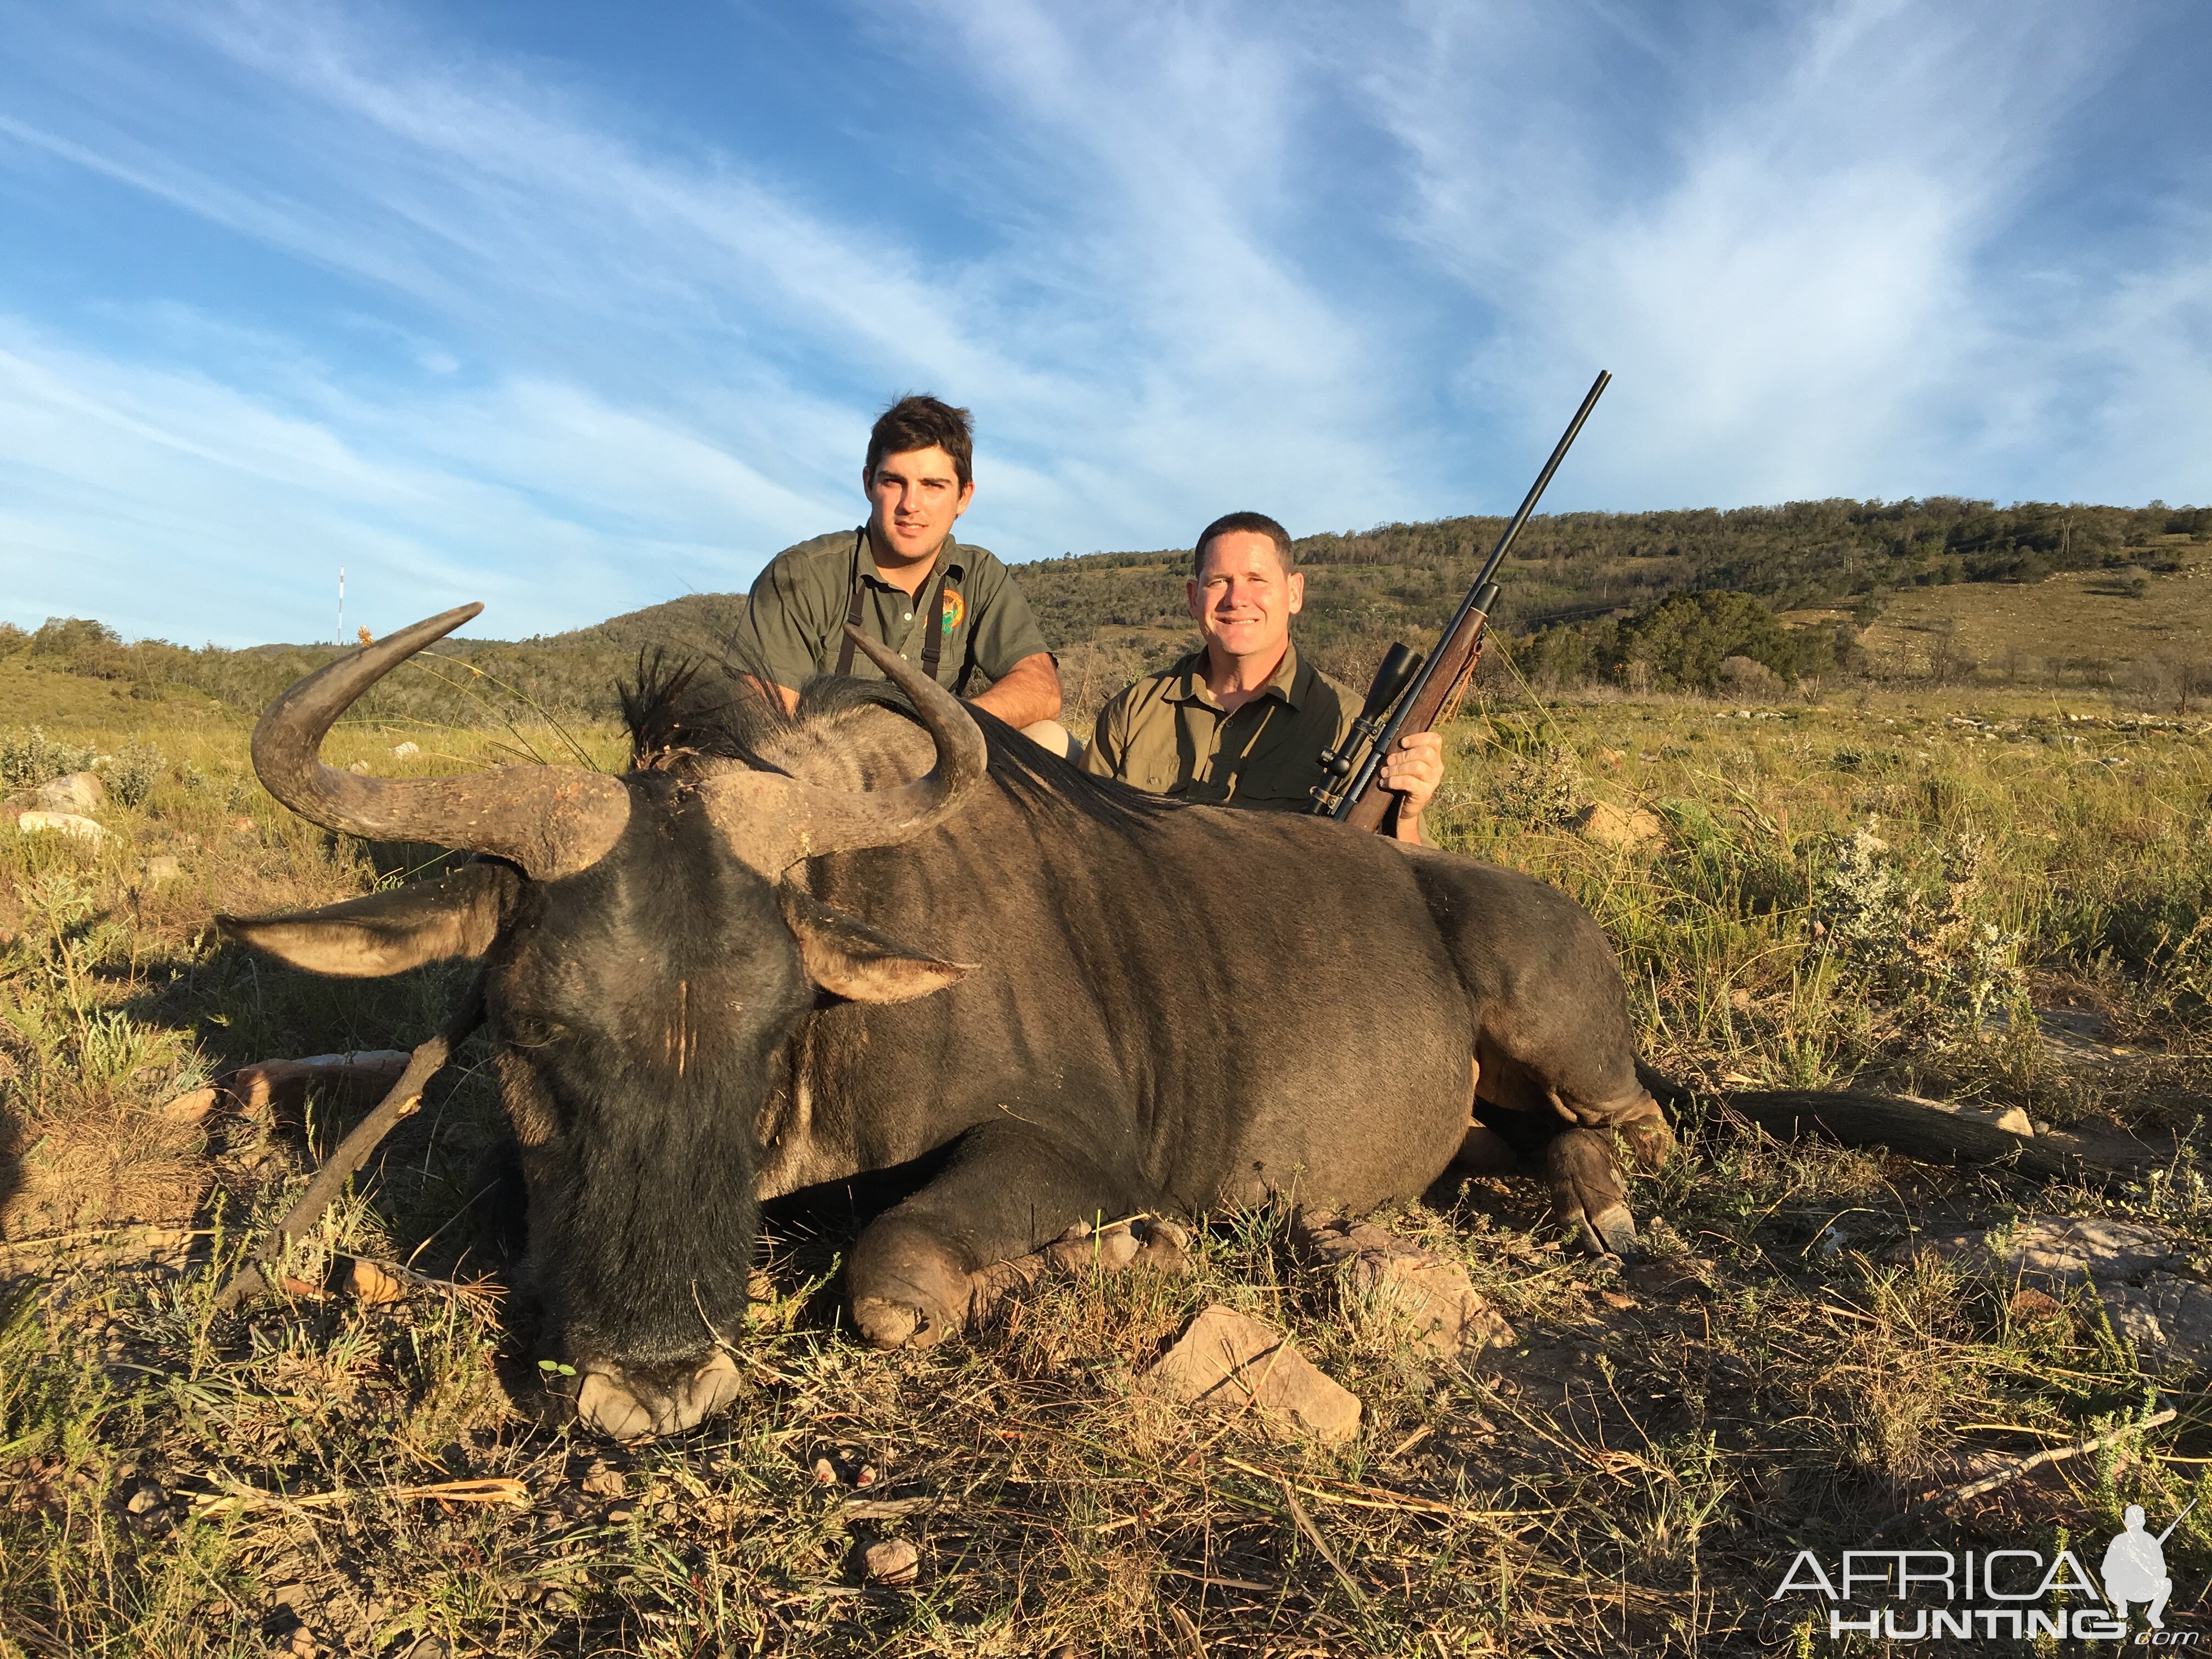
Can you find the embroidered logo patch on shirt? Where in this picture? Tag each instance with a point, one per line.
(955, 609)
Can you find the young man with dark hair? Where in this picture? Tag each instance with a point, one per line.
(903, 580)
(1243, 722)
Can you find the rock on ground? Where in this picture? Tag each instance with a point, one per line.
(1609, 826)
(2166, 1318)
(894, 1561)
(67, 823)
(73, 792)
(1379, 1270)
(2013, 1119)
(2063, 1250)
(361, 1078)
(1228, 1361)
(191, 1106)
(2129, 1263)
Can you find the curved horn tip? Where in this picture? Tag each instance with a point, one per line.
(437, 627)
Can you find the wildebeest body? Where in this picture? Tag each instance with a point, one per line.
(1077, 1001)
(1233, 1005)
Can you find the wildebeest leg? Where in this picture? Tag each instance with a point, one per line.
(1578, 1164)
(1554, 1044)
(1008, 1189)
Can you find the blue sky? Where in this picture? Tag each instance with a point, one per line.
(573, 308)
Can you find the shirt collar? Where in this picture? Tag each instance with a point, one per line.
(1289, 684)
(949, 562)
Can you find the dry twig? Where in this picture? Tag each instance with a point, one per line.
(2021, 1466)
(404, 1100)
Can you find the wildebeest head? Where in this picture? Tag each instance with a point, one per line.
(646, 964)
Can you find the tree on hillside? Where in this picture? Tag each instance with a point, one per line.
(1680, 644)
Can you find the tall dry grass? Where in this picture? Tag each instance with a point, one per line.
(1632, 1476)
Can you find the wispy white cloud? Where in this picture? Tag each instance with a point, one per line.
(1820, 283)
(198, 511)
(495, 333)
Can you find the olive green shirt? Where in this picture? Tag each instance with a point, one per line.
(1170, 735)
(795, 617)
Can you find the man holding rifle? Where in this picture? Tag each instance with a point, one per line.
(1244, 722)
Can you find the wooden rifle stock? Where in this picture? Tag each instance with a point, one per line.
(1421, 708)
(1347, 790)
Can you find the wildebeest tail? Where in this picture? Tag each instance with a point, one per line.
(1928, 1133)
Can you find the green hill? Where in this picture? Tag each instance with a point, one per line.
(1580, 594)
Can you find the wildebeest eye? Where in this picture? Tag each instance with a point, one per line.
(528, 1032)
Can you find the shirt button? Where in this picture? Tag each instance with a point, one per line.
(908, 618)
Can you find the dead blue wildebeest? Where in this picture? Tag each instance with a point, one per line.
(785, 950)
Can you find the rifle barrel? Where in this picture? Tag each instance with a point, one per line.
(1536, 489)
(1363, 779)
(2179, 1519)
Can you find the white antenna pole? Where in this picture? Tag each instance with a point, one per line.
(341, 605)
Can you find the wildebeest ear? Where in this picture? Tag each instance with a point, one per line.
(846, 956)
(381, 933)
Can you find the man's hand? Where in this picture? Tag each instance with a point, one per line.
(1414, 771)
(1029, 693)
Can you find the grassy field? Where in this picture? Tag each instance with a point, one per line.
(2134, 628)
(1884, 885)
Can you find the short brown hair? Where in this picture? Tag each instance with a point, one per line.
(919, 420)
(1259, 524)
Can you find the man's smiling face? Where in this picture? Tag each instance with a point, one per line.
(916, 496)
(1243, 600)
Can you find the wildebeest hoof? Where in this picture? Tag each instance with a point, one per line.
(1166, 1246)
(1611, 1233)
(634, 1408)
(1586, 1193)
(886, 1324)
(1144, 1242)
(906, 1288)
(1649, 1141)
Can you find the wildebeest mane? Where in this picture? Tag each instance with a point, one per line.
(712, 707)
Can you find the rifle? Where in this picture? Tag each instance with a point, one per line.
(1412, 694)
(2178, 1520)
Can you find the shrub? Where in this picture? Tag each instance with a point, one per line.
(1749, 677)
(1545, 792)
(1681, 642)
(29, 758)
(1942, 969)
(134, 771)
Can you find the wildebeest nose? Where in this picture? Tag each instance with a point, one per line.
(634, 1409)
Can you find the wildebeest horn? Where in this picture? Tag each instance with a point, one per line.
(776, 822)
(551, 820)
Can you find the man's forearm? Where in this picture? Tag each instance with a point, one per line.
(1030, 692)
(781, 694)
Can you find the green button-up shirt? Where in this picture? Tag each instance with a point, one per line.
(795, 618)
(1169, 734)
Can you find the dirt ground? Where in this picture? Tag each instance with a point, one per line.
(1969, 896)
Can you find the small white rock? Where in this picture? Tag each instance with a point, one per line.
(66, 824)
(894, 1561)
(162, 867)
(404, 750)
(1609, 826)
(73, 792)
